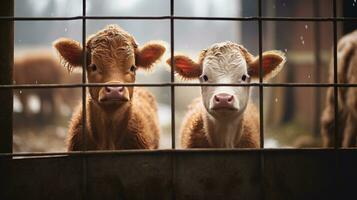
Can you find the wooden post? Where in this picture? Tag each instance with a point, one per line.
(6, 63)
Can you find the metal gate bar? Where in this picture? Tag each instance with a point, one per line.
(342, 19)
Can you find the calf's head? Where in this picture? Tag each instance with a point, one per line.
(227, 63)
(112, 57)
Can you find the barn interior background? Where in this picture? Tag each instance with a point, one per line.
(291, 114)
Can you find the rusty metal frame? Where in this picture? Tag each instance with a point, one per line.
(4, 86)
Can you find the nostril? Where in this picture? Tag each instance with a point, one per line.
(121, 89)
(107, 89)
(230, 99)
(216, 98)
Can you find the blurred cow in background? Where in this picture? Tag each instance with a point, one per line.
(347, 96)
(70, 96)
(43, 68)
(37, 68)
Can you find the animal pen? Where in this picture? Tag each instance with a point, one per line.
(312, 173)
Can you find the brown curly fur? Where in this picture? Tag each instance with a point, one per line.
(129, 125)
(135, 128)
(195, 129)
(347, 96)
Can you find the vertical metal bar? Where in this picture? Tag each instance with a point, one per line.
(335, 80)
(6, 63)
(84, 52)
(317, 59)
(172, 43)
(261, 108)
(173, 138)
(84, 113)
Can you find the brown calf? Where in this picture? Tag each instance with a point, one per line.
(224, 117)
(117, 117)
(347, 96)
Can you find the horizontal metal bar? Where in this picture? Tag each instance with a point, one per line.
(85, 17)
(268, 18)
(44, 86)
(121, 152)
(178, 18)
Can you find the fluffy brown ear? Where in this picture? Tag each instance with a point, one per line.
(146, 56)
(186, 67)
(272, 63)
(70, 52)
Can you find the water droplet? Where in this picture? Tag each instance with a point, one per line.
(284, 4)
(36, 82)
(309, 76)
(302, 40)
(65, 29)
(276, 100)
(306, 26)
(20, 91)
(19, 41)
(286, 50)
(14, 81)
(353, 4)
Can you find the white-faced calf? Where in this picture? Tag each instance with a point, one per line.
(117, 117)
(224, 117)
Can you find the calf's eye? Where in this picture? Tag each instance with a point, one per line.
(93, 67)
(245, 77)
(133, 68)
(204, 77)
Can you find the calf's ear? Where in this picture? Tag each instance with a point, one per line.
(272, 64)
(70, 52)
(151, 52)
(186, 67)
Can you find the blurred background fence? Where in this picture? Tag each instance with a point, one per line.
(291, 113)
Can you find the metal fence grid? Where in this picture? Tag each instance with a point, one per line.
(173, 84)
(260, 19)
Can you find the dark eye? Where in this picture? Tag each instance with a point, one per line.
(204, 77)
(93, 67)
(244, 77)
(133, 68)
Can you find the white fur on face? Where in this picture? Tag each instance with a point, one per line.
(224, 63)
